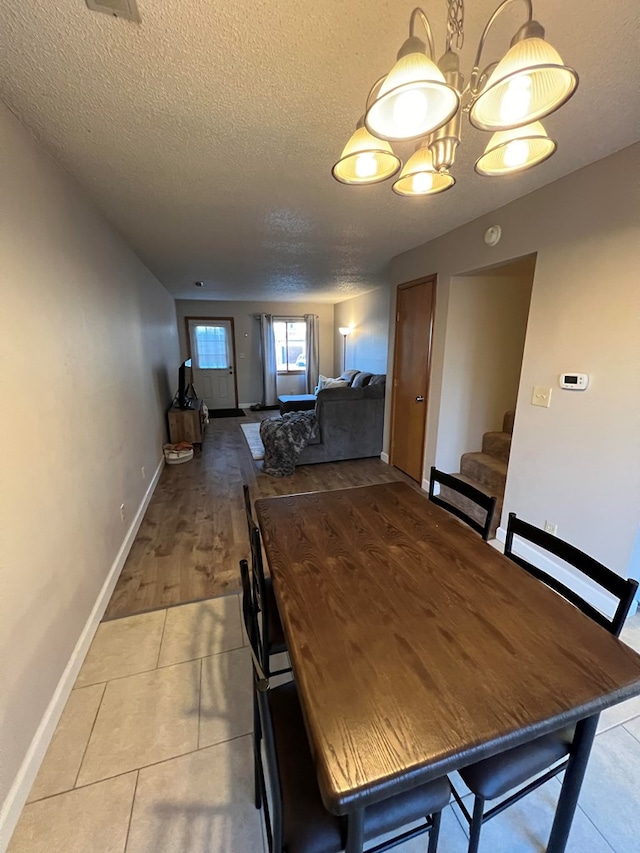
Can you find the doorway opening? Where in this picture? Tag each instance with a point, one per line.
(487, 319)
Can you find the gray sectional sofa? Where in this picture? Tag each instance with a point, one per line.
(350, 422)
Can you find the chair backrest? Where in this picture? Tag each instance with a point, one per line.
(259, 582)
(622, 589)
(466, 490)
(261, 688)
(247, 506)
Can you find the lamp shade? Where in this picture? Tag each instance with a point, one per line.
(365, 160)
(515, 150)
(414, 98)
(530, 82)
(344, 330)
(419, 177)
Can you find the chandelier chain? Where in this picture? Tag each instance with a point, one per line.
(455, 23)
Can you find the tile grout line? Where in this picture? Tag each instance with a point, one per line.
(133, 800)
(596, 827)
(164, 666)
(86, 746)
(164, 625)
(82, 787)
(624, 726)
(144, 766)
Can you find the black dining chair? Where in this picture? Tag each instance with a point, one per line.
(298, 821)
(518, 769)
(467, 500)
(272, 637)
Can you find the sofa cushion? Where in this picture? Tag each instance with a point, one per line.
(378, 379)
(361, 379)
(349, 375)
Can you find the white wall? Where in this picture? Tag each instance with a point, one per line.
(368, 315)
(88, 350)
(577, 463)
(247, 333)
(486, 328)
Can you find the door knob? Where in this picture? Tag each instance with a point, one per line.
(420, 399)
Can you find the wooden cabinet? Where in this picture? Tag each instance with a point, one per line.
(186, 424)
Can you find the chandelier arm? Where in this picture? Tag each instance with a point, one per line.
(475, 73)
(418, 13)
(373, 92)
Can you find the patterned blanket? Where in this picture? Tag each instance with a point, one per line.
(284, 438)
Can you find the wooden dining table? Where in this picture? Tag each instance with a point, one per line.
(418, 648)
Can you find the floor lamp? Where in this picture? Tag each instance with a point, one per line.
(344, 331)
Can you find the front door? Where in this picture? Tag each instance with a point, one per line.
(414, 322)
(212, 352)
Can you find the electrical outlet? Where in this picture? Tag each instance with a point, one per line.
(123, 514)
(550, 527)
(142, 471)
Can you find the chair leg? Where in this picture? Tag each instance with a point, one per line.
(257, 782)
(257, 737)
(476, 825)
(434, 832)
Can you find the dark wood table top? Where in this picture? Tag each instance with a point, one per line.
(417, 647)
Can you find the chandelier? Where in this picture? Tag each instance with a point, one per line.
(423, 101)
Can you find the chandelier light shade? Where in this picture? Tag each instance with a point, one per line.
(530, 82)
(511, 151)
(419, 176)
(365, 160)
(414, 98)
(424, 101)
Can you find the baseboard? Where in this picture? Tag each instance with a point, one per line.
(19, 791)
(384, 457)
(424, 485)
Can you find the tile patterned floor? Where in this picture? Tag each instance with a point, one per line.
(153, 754)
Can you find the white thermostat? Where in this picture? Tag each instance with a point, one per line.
(574, 381)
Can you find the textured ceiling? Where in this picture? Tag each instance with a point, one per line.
(207, 132)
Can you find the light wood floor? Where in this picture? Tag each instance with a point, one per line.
(194, 532)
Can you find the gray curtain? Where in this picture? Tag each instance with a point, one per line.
(313, 351)
(269, 367)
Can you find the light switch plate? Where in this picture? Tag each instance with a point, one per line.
(541, 396)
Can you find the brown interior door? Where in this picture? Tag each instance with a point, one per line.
(414, 324)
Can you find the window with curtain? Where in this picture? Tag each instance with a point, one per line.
(211, 347)
(291, 342)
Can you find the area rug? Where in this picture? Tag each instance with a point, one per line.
(226, 413)
(252, 436)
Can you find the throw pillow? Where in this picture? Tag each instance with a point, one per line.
(361, 380)
(321, 380)
(329, 382)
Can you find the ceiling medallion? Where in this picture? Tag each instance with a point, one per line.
(422, 100)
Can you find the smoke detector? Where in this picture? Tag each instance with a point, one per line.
(118, 8)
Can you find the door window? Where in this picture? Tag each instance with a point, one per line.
(210, 345)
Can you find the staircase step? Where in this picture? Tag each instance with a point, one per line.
(507, 422)
(486, 470)
(469, 506)
(497, 444)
